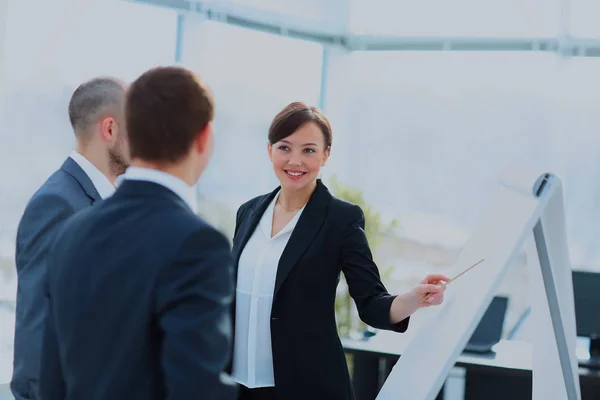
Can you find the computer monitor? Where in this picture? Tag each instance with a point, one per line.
(489, 330)
(586, 292)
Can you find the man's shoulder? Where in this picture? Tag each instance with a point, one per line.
(195, 224)
(153, 225)
(48, 208)
(177, 232)
(169, 218)
(59, 185)
(53, 196)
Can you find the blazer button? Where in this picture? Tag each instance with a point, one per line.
(274, 319)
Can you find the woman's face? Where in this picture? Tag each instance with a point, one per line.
(298, 158)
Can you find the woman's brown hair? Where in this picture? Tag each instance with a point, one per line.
(293, 116)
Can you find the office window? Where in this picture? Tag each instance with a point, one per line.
(583, 18)
(308, 9)
(498, 18)
(430, 132)
(253, 75)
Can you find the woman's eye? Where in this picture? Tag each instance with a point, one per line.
(309, 150)
(283, 147)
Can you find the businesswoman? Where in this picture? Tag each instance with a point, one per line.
(290, 247)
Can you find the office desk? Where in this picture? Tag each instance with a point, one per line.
(502, 375)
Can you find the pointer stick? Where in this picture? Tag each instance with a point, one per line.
(455, 278)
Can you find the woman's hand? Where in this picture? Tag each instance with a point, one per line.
(429, 292)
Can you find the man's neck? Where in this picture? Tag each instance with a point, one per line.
(179, 170)
(98, 161)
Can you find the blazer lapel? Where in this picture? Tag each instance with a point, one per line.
(248, 225)
(73, 169)
(306, 230)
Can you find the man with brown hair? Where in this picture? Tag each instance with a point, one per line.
(140, 288)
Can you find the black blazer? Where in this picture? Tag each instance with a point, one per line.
(140, 291)
(65, 192)
(329, 238)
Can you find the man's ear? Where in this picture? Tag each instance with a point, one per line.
(203, 138)
(108, 129)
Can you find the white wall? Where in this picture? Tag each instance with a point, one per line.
(3, 19)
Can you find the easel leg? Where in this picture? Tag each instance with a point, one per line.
(554, 307)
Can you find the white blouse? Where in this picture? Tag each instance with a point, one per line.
(257, 270)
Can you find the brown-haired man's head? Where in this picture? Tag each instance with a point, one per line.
(169, 113)
(299, 145)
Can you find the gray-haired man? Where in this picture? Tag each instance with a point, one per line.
(88, 175)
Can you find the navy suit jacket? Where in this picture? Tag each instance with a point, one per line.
(139, 293)
(67, 191)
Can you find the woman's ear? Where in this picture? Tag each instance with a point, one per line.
(270, 151)
(326, 156)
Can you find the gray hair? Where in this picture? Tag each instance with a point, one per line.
(93, 99)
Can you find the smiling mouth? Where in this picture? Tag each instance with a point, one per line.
(294, 174)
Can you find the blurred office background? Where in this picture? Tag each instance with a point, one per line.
(428, 100)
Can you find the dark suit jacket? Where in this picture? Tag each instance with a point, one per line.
(140, 292)
(67, 191)
(329, 239)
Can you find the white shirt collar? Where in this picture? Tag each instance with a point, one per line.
(99, 180)
(179, 187)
